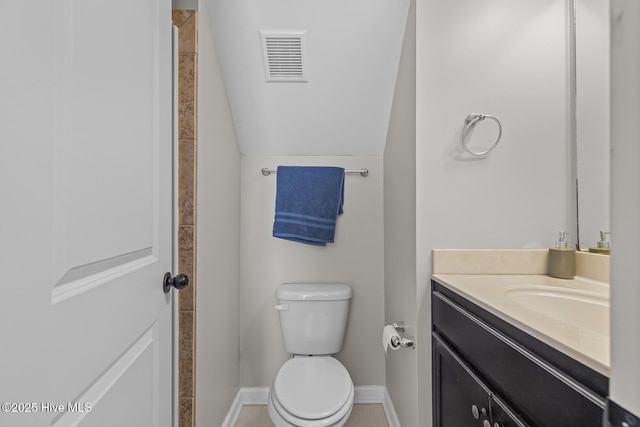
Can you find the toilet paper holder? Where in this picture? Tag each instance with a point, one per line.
(402, 342)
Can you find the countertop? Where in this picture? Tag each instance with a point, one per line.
(569, 315)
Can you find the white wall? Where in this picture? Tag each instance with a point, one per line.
(218, 240)
(184, 4)
(353, 50)
(508, 59)
(400, 231)
(356, 258)
(625, 270)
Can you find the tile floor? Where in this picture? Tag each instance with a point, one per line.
(363, 415)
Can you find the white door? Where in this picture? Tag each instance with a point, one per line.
(85, 213)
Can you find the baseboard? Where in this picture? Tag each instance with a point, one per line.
(389, 410)
(368, 394)
(254, 395)
(234, 411)
(363, 394)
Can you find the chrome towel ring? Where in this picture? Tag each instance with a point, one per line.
(469, 122)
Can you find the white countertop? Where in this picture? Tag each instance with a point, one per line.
(569, 315)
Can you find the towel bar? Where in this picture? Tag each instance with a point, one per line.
(362, 172)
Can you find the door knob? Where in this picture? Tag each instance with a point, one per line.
(180, 281)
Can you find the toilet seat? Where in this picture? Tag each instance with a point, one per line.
(312, 387)
(282, 418)
(312, 391)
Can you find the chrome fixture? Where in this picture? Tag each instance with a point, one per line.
(469, 122)
(362, 172)
(399, 341)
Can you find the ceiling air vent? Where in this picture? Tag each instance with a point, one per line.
(284, 53)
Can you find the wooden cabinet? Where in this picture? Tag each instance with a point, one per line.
(462, 398)
(482, 361)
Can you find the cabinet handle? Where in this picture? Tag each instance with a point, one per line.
(475, 412)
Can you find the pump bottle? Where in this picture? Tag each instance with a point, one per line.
(603, 246)
(562, 260)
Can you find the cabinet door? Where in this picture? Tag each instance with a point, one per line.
(460, 399)
(541, 394)
(502, 415)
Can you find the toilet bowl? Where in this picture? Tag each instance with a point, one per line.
(311, 391)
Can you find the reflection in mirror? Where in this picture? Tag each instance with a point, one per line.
(592, 119)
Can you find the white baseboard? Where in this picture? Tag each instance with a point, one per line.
(368, 394)
(389, 410)
(362, 394)
(234, 411)
(254, 395)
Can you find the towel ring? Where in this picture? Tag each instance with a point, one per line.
(470, 121)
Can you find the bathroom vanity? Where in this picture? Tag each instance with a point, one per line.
(493, 367)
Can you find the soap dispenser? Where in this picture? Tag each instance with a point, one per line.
(603, 246)
(562, 260)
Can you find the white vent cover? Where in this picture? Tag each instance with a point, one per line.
(283, 54)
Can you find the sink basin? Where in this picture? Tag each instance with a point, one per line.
(570, 307)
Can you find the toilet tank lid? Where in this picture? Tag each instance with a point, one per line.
(313, 292)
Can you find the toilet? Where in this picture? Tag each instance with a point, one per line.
(312, 389)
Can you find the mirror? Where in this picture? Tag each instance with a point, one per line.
(590, 54)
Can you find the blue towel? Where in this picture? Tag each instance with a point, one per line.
(308, 202)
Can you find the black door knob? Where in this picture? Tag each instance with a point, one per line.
(180, 281)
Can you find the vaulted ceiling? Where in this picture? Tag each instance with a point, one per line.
(350, 53)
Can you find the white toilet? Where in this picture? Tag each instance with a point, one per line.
(312, 389)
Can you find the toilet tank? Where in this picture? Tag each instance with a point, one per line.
(313, 317)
